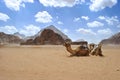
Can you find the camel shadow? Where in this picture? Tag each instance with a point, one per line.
(76, 56)
(70, 56)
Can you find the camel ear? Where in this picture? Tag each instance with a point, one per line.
(67, 42)
(100, 44)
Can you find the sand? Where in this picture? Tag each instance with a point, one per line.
(53, 63)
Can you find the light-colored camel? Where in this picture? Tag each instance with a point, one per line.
(80, 51)
(91, 46)
(97, 50)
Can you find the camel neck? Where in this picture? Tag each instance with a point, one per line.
(69, 49)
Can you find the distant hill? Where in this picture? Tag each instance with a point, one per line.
(48, 35)
(21, 36)
(9, 39)
(53, 28)
(79, 42)
(115, 39)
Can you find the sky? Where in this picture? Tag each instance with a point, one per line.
(90, 20)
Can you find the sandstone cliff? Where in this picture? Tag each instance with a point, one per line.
(49, 35)
(115, 39)
(9, 39)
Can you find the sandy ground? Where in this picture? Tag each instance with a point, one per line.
(53, 63)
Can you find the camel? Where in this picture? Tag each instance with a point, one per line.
(84, 51)
(80, 51)
(96, 50)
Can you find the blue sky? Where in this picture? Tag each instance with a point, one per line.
(91, 20)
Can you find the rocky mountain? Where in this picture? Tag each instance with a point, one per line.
(9, 39)
(115, 39)
(51, 27)
(78, 42)
(21, 36)
(48, 35)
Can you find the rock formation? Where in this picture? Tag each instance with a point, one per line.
(79, 42)
(115, 39)
(9, 39)
(21, 36)
(50, 35)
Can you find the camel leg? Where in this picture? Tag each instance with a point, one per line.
(100, 54)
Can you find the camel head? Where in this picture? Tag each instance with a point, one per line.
(99, 45)
(67, 44)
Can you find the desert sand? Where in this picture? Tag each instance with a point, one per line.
(53, 63)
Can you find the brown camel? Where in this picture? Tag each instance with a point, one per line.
(97, 50)
(80, 51)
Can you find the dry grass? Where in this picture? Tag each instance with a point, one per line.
(53, 63)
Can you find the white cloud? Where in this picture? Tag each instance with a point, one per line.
(30, 1)
(4, 17)
(30, 30)
(27, 30)
(59, 22)
(76, 19)
(106, 31)
(86, 31)
(85, 17)
(101, 4)
(8, 29)
(110, 20)
(16, 4)
(101, 17)
(43, 17)
(95, 24)
(61, 3)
